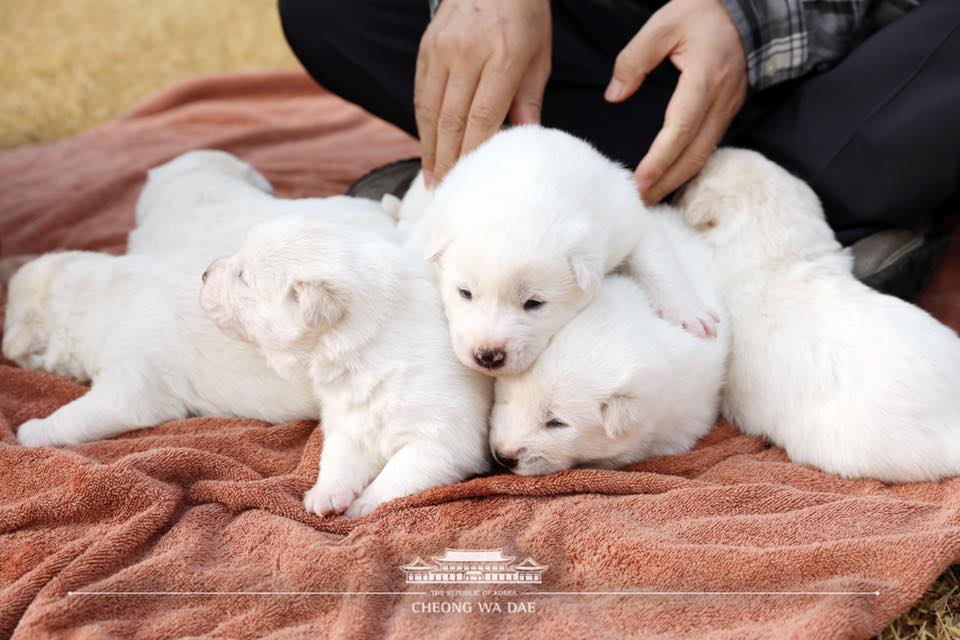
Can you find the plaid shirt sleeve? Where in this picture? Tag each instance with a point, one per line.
(785, 39)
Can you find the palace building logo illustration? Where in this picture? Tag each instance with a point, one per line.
(473, 566)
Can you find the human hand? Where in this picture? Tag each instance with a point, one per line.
(701, 40)
(479, 61)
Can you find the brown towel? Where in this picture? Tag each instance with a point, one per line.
(213, 505)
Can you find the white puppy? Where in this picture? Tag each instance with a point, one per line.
(524, 229)
(842, 377)
(133, 325)
(206, 200)
(617, 384)
(360, 317)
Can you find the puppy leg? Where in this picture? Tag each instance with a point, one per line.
(115, 404)
(414, 468)
(655, 266)
(345, 469)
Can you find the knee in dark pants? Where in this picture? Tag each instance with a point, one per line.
(308, 23)
(365, 51)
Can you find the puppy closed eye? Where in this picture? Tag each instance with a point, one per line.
(554, 423)
(241, 278)
(532, 304)
(466, 294)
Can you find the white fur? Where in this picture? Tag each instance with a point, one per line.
(413, 205)
(625, 384)
(844, 378)
(133, 325)
(360, 317)
(408, 211)
(537, 215)
(206, 200)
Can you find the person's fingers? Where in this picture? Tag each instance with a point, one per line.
(490, 104)
(681, 124)
(429, 85)
(694, 156)
(452, 121)
(528, 102)
(642, 54)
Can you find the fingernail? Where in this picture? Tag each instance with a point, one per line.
(428, 178)
(614, 90)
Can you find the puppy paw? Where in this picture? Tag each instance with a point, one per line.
(38, 433)
(324, 501)
(701, 322)
(363, 505)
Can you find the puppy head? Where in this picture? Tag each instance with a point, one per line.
(541, 424)
(31, 304)
(741, 197)
(293, 279)
(505, 297)
(599, 392)
(571, 407)
(519, 231)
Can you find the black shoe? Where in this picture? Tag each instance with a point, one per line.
(394, 178)
(897, 261)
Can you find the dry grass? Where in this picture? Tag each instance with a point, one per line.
(67, 65)
(935, 617)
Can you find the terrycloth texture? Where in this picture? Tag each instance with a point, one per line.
(214, 504)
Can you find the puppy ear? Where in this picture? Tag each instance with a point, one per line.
(587, 270)
(23, 336)
(620, 415)
(16, 342)
(320, 305)
(437, 240)
(701, 212)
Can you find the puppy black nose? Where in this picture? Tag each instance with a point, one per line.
(490, 358)
(505, 461)
(203, 278)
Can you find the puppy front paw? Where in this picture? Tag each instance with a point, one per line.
(324, 500)
(363, 505)
(701, 321)
(38, 433)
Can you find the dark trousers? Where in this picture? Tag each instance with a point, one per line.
(877, 135)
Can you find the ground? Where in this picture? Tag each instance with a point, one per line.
(67, 66)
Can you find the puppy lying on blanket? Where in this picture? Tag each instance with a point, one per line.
(206, 200)
(617, 384)
(133, 325)
(359, 317)
(842, 377)
(524, 229)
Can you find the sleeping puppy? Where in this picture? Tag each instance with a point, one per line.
(524, 229)
(206, 200)
(359, 317)
(844, 378)
(132, 324)
(617, 384)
